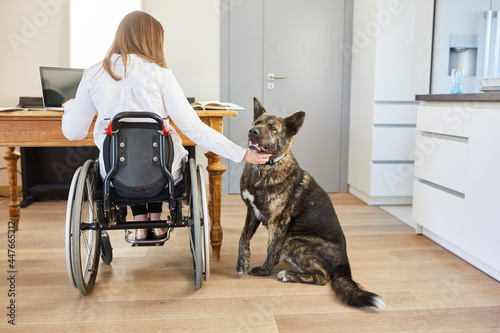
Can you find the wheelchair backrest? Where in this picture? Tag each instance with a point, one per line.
(138, 148)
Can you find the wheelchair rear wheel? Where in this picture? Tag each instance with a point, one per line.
(85, 238)
(69, 227)
(198, 222)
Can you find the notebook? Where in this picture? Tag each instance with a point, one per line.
(59, 84)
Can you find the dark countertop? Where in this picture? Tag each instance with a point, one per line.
(478, 97)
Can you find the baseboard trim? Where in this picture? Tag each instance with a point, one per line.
(380, 201)
(483, 267)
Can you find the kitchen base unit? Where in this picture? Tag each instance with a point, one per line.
(390, 65)
(456, 196)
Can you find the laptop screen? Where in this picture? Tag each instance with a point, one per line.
(59, 85)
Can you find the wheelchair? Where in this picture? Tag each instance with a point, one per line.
(138, 156)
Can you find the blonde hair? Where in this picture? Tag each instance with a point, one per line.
(138, 33)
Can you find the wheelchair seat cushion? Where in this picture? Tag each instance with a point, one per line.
(139, 173)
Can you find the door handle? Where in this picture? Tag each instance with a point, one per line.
(272, 76)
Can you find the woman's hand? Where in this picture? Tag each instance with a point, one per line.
(253, 157)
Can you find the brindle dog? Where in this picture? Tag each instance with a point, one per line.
(302, 224)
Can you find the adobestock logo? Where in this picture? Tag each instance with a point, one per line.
(31, 26)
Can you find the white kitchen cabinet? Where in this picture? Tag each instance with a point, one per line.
(392, 180)
(439, 211)
(452, 120)
(391, 57)
(481, 230)
(393, 143)
(442, 161)
(456, 198)
(394, 113)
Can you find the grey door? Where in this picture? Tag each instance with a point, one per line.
(300, 42)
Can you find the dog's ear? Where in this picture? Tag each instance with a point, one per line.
(294, 122)
(258, 109)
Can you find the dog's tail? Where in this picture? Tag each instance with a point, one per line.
(349, 291)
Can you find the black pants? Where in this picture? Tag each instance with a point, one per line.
(152, 207)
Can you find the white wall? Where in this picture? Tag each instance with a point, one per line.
(192, 46)
(192, 43)
(36, 32)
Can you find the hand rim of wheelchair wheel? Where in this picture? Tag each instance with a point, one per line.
(195, 226)
(69, 227)
(206, 223)
(85, 275)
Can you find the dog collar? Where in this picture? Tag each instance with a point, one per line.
(277, 159)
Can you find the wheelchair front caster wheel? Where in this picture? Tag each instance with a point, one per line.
(106, 249)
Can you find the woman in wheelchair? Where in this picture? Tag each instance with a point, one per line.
(134, 77)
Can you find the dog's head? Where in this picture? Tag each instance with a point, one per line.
(272, 134)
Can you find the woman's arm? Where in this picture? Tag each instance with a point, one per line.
(78, 114)
(188, 122)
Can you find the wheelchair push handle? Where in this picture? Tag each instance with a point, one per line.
(132, 114)
(162, 122)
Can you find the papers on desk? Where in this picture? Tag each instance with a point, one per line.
(216, 105)
(15, 108)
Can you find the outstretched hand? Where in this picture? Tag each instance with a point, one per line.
(253, 157)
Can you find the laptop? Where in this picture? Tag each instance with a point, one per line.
(59, 84)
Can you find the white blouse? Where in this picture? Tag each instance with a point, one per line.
(146, 87)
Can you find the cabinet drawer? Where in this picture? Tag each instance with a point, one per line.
(442, 162)
(394, 113)
(453, 121)
(393, 143)
(438, 211)
(392, 179)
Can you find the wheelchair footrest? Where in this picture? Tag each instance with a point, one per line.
(150, 239)
(148, 244)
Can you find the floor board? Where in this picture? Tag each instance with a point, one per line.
(425, 287)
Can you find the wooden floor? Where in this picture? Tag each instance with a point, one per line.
(425, 287)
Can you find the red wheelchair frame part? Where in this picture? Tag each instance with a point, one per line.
(108, 130)
(166, 128)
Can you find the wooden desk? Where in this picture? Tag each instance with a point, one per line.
(43, 129)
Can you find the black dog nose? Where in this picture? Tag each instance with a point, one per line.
(254, 131)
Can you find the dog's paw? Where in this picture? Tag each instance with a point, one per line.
(282, 276)
(240, 271)
(242, 266)
(259, 271)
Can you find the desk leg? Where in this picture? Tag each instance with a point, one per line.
(11, 156)
(215, 170)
